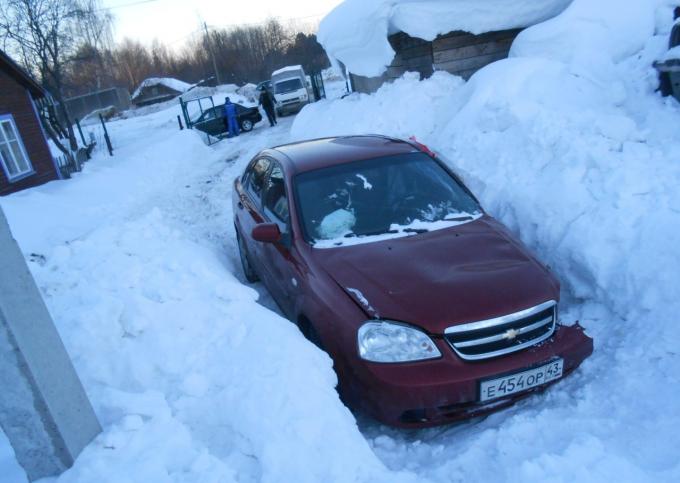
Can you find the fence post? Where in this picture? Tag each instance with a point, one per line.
(179, 121)
(106, 136)
(87, 152)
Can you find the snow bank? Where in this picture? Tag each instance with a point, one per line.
(578, 155)
(192, 379)
(169, 82)
(590, 33)
(356, 31)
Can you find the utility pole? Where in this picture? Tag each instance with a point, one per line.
(212, 53)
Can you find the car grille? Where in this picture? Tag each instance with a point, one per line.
(502, 335)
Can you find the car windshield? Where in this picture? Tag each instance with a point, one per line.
(288, 85)
(380, 198)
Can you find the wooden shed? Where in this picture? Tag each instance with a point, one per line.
(25, 157)
(158, 89)
(459, 53)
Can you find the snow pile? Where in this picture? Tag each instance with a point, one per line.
(169, 82)
(590, 33)
(356, 31)
(191, 378)
(248, 91)
(570, 146)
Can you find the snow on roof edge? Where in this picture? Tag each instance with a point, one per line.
(355, 32)
(169, 82)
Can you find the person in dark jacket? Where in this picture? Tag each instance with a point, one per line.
(230, 117)
(267, 101)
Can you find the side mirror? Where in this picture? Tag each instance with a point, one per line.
(266, 233)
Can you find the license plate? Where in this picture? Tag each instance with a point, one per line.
(520, 381)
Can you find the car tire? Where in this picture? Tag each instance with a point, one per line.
(246, 265)
(246, 125)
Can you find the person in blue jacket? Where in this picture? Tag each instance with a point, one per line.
(230, 117)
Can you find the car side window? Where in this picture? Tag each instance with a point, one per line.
(275, 199)
(256, 176)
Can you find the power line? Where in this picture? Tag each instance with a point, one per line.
(131, 4)
(262, 22)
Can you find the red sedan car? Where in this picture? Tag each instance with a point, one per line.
(431, 310)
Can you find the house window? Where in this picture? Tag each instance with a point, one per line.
(13, 156)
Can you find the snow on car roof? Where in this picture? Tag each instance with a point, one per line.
(289, 68)
(171, 83)
(356, 31)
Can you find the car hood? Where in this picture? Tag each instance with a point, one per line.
(441, 278)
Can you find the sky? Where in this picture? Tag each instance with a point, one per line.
(172, 21)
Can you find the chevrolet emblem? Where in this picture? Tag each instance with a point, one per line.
(510, 334)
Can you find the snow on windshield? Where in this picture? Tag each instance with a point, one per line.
(381, 198)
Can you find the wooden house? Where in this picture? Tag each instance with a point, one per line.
(25, 157)
(459, 53)
(158, 89)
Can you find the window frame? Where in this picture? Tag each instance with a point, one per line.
(268, 214)
(245, 181)
(23, 174)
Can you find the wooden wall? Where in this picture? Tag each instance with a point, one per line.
(459, 53)
(16, 100)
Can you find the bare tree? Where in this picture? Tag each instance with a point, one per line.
(46, 34)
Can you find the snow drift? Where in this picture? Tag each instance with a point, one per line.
(192, 378)
(356, 31)
(569, 145)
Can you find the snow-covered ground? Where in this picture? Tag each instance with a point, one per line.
(194, 380)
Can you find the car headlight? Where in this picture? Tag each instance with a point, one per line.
(394, 342)
(303, 97)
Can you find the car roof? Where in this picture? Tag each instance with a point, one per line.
(324, 152)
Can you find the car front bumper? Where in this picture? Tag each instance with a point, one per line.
(444, 390)
(290, 107)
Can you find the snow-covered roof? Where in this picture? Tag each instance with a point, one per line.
(356, 31)
(169, 82)
(288, 68)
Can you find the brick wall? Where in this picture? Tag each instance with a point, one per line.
(15, 100)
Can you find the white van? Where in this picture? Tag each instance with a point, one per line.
(291, 89)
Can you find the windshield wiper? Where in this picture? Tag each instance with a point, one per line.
(372, 233)
(415, 230)
(459, 218)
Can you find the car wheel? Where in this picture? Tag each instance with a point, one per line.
(246, 125)
(248, 270)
